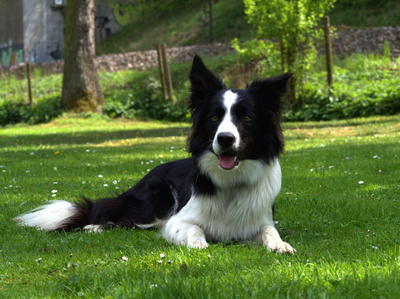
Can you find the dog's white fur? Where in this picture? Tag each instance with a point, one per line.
(49, 216)
(227, 125)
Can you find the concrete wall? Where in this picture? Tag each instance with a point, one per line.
(32, 30)
(43, 31)
(111, 16)
(11, 32)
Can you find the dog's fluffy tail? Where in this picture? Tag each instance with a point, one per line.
(48, 217)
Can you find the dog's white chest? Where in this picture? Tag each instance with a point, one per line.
(236, 212)
(231, 215)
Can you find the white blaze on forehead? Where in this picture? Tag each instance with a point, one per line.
(229, 99)
(227, 125)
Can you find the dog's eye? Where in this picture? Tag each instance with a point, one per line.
(214, 117)
(247, 118)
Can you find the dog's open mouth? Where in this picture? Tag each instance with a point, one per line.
(228, 160)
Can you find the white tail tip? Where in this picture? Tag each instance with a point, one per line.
(47, 217)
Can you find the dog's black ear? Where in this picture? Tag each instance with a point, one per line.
(270, 90)
(204, 83)
(273, 85)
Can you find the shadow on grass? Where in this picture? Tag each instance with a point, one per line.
(342, 123)
(92, 137)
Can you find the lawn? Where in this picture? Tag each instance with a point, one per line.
(339, 207)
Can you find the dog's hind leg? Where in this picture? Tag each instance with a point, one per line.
(145, 207)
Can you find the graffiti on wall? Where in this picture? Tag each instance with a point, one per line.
(123, 13)
(11, 55)
(112, 15)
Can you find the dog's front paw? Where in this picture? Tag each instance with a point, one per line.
(280, 247)
(197, 243)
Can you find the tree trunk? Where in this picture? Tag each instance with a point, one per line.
(81, 89)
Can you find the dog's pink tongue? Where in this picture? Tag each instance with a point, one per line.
(227, 161)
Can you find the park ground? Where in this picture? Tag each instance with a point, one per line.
(339, 207)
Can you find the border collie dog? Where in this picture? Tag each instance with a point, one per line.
(225, 191)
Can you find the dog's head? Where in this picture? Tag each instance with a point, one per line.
(235, 124)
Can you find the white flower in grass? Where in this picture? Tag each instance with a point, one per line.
(162, 255)
(105, 185)
(54, 191)
(361, 182)
(100, 176)
(124, 258)
(115, 182)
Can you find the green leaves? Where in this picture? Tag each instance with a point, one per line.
(292, 25)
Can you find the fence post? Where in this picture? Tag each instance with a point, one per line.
(328, 50)
(28, 69)
(167, 73)
(162, 73)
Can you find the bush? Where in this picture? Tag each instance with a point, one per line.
(374, 94)
(144, 101)
(364, 85)
(43, 110)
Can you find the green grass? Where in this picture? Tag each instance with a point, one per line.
(363, 14)
(183, 24)
(346, 232)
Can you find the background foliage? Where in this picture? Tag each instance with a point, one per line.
(365, 84)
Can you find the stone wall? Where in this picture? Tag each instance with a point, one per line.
(347, 41)
(371, 40)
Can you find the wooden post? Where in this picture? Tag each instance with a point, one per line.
(328, 50)
(162, 72)
(28, 69)
(167, 73)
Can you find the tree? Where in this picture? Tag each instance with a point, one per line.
(292, 24)
(81, 89)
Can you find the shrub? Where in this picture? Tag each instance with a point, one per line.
(42, 110)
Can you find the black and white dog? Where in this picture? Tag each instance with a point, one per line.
(226, 191)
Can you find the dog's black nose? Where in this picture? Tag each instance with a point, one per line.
(225, 139)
